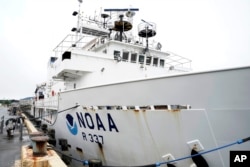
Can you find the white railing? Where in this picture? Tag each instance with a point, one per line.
(26, 102)
(50, 102)
(71, 41)
(175, 62)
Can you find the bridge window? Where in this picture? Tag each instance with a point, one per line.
(148, 60)
(117, 54)
(141, 59)
(155, 61)
(133, 57)
(125, 56)
(162, 62)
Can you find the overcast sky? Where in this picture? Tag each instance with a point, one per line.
(215, 34)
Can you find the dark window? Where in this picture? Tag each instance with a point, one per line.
(162, 62)
(133, 57)
(116, 54)
(125, 56)
(141, 59)
(148, 60)
(155, 61)
(66, 55)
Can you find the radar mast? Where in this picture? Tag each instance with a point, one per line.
(146, 30)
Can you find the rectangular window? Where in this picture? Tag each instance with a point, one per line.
(162, 62)
(125, 56)
(141, 59)
(66, 55)
(117, 54)
(148, 60)
(155, 61)
(133, 57)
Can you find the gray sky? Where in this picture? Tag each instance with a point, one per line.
(215, 34)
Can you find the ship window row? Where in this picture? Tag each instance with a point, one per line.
(138, 58)
(150, 107)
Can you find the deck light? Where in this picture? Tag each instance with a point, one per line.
(73, 29)
(74, 13)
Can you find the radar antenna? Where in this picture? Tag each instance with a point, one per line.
(104, 16)
(121, 25)
(146, 30)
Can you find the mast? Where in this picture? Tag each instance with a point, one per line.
(146, 30)
(77, 30)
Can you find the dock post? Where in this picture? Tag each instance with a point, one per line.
(21, 128)
(2, 124)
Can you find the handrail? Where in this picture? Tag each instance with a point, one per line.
(50, 102)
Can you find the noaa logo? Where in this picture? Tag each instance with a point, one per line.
(71, 124)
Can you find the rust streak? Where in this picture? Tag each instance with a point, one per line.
(174, 110)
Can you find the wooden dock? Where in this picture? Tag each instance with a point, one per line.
(16, 150)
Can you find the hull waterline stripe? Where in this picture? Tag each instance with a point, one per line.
(157, 164)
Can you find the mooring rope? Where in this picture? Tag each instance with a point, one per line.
(157, 164)
(205, 152)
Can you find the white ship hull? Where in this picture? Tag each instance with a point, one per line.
(132, 123)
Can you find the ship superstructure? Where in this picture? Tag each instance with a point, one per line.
(120, 99)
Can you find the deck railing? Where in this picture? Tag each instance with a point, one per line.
(50, 103)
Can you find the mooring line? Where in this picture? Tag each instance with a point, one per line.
(157, 164)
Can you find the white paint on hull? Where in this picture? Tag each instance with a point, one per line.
(219, 115)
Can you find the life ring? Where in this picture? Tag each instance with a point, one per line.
(159, 46)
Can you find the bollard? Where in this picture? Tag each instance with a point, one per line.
(95, 163)
(39, 145)
(34, 134)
